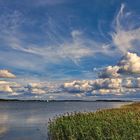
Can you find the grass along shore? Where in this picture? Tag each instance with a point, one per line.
(109, 124)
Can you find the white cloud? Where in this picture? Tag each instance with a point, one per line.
(74, 50)
(109, 72)
(125, 31)
(88, 86)
(80, 46)
(37, 91)
(76, 33)
(131, 82)
(6, 74)
(115, 87)
(113, 81)
(120, 79)
(130, 63)
(77, 89)
(6, 88)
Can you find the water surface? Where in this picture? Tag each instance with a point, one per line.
(28, 120)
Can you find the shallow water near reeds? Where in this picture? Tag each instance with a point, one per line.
(29, 120)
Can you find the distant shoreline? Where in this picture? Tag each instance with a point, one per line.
(4, 100)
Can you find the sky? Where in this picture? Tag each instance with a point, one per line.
(60, 39)
(67, 40)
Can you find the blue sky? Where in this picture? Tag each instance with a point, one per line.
(66, 39)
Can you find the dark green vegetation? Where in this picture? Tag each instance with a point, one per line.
(110, 124)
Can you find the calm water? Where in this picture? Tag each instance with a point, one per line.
(28, 120)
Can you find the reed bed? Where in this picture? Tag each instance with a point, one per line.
(110, 124)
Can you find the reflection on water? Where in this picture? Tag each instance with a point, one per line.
(3, 129)
(28, 120)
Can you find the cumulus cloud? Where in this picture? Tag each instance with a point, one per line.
(36, 91)
(35, 88)
(6, 74)
(109, 72)
(77, 89)
(40, 88)
(88, 86)
(129, 64)
(98, 87)
(121, 79)
(5, 88)
(9, 87)
(112, 81)
(131, 82)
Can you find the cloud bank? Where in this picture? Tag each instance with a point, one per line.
(119, 80)
(117, 86)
